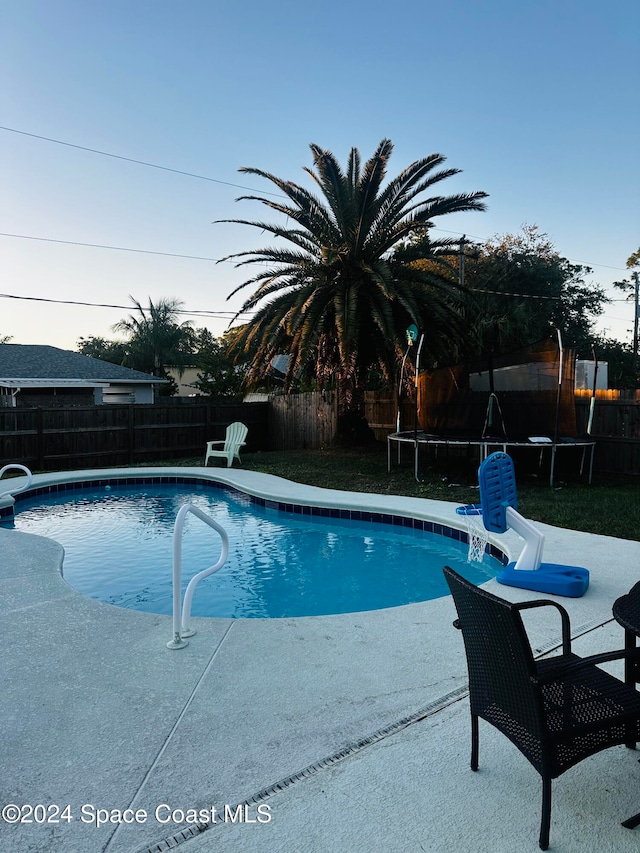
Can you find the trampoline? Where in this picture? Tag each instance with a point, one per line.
(486, 446)
(523, 401)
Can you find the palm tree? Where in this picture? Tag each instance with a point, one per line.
(156, 338)
(340, 295)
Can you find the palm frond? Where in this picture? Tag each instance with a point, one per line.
(341, 291)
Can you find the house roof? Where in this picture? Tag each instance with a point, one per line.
(36, 365)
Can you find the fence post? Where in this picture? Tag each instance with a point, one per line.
(40, 439)
(132, 435)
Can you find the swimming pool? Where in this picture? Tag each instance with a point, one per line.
(284, 560)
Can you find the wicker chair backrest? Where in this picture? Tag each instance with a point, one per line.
(500, 665)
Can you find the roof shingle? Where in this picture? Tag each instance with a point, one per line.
(35, 361)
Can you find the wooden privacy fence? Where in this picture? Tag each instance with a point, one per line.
(616, 430)
(48, 439)
(307, 421)
(103, 436)
(302, 421)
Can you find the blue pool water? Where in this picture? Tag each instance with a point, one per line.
(118, 549)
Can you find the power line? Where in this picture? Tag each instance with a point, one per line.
(526, 295)
(225, 315)
(221, 315)
(613, 317)
(130, 159)
(113, 248)
(216, 181)
(218, 260)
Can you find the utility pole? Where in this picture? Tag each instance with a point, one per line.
(461, 264)
(635, 328)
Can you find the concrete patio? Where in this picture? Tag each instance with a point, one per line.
(339, 733)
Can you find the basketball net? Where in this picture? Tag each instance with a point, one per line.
(478, 536)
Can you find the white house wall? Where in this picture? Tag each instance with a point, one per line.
(126, 394)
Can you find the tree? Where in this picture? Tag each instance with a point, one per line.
(620, 360)
(634, 259)
(114, 352)
(4, 339)
(519, 290)
(338, 297)
(631, 289)
(218, 375)
(156, 338)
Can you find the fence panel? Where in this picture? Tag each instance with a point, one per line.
(302, 421)
(381, 412)
(103, 436)
(617, 455)
(616, 430)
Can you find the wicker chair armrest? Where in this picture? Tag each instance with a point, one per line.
(577, 663)
(564, 616)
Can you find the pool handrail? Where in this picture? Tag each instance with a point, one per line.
(182, 610)
(14, 491)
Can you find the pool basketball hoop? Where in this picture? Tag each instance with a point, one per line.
(477, 533)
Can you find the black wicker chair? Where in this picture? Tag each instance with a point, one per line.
(556, 711)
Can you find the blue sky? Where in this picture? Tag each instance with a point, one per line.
(537, 103)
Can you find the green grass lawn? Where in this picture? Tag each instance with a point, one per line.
(609, 506)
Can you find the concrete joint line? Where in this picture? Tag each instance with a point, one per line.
(164, 746)
(348, 750)
(171, 842)
(580, 631)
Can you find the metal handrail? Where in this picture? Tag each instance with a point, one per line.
(182, 611)
(19, 467)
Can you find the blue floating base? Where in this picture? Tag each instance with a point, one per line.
(552, 578)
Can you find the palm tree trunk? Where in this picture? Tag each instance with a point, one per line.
(353, 429)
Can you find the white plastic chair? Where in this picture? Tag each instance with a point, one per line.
(235, 439)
